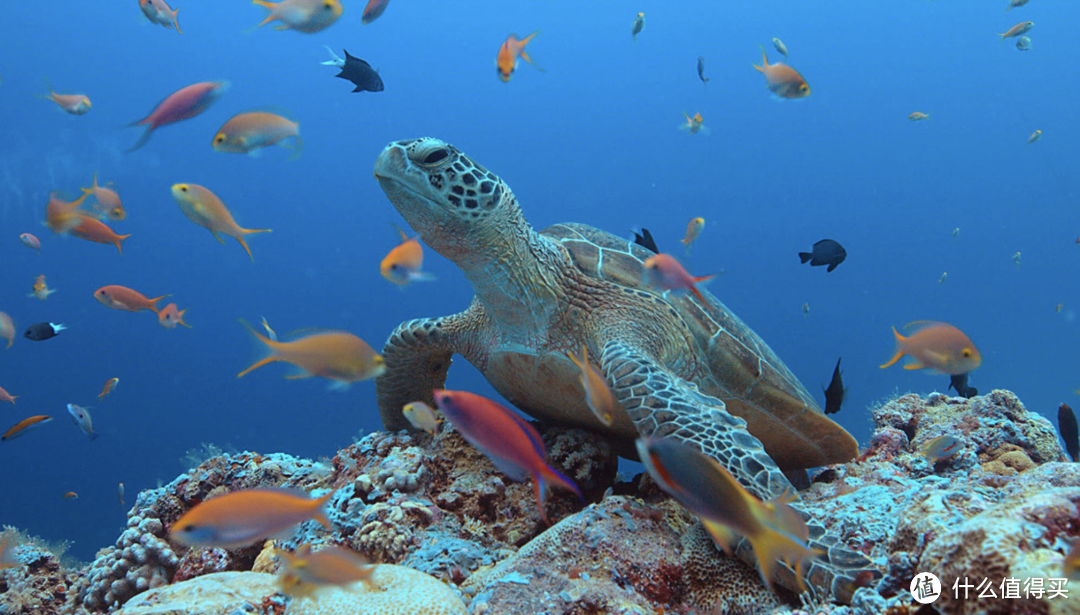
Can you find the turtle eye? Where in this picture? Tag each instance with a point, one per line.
(435, 156)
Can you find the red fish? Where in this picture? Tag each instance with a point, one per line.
(373, 10)
(24, 426)
(123, 298)
(509, 52)
(665, 273)
(61, 216)
(92, 229)
(506, 439)
(183, 104)
(171, 316)
(5, 396)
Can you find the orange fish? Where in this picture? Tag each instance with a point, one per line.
(41, 289)
(507, 59)
(123, 298)
(246, 133)
(598, 395)
(242, 518)
(170, 317)
(782, 80)
(373, 10)
(917, 116)
(157, 11)
(665, 273)
(306, 571)
(301, 15)
(61, 216)
(726, 508)
(183, 104)
(511, 443)
(694, 125)
(108, 388)
(30, 241)
(1021, 28)
(75, 104)
(936, 345)
(107, 201)
(693, 229)
(71, 495)
(92, 229)
(205, 209)
(336, 355)
(402, 265)
(5, 396)
(7, 329)
(24, 426)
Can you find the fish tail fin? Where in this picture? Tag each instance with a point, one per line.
(256, 365)
(119, 241)
(143, 139)
(721, 535)
(297, 148)
(153, 302)
(1002, 35)
(176, 21)
(248, 231)
(772, 545)
(705, 279)
(525, 41)
(268, 6)
(804, 257)
(180, 319)
(764, 60)
(270, 344)
(549, 477)
(899, 349)
(318, 503)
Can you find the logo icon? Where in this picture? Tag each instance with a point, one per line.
(925, 588)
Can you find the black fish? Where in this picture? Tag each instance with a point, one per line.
(826, 252)
(701, 70)
(43, 331)
(1069, 432)
(360, 74)
(960, 383)
(646, 241)
(834, 395)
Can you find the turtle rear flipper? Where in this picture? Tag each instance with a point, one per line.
(662, 405)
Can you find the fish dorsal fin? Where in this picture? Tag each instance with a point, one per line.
(918, 325)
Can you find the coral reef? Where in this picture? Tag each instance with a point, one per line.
(1004, 507)
(392, 590)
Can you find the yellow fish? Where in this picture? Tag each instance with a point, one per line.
(246, 133)
(693, 229)
(421, 416)
(726, 508)
(307, 570)
(335, 355)
(205, 209)
(936, 345)
(918, 117)
(598, 395)
(782, 80)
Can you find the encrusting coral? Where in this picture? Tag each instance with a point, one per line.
(1002, 506)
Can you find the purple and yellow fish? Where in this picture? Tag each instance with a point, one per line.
(506, 439)
(725, 508)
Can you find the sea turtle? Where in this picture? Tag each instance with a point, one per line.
(679, 367)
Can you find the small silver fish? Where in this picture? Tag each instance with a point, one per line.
(421, 416)
(779, 44)
(944, 275)
(701, 70)
(81, 417)
(1016, 258)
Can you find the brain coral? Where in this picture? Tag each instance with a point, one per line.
(394, 590)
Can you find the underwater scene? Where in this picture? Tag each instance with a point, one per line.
(415, 307)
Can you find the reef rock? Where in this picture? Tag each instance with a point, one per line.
(393, 590)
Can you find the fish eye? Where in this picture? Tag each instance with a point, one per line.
(965, 352)
(219, 138)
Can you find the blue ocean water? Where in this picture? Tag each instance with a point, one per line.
(591, 139)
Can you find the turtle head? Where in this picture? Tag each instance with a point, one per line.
(454, 203)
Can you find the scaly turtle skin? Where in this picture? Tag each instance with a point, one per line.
(679, 368)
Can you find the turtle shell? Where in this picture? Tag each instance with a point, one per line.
(743, 371)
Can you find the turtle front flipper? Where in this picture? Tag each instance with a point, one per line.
(664, 405)
(417, 358)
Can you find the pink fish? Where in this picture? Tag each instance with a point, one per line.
(183, 104)
(665, 273)
(373, 10)
(30, 241)
(505, 438)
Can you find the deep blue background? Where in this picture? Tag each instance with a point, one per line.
(593, 139)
